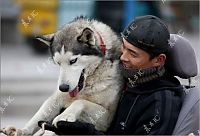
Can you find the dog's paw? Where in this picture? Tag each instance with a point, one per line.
(70, 117)
(58, 118)
(11, 131)
(67, 117)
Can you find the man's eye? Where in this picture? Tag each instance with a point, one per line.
(133, 55)
(73, 61)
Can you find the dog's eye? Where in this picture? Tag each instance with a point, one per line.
(58, 63)
(73, 61)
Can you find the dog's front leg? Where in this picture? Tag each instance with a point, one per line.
(72, 113)
(95, 114)
(50, 109)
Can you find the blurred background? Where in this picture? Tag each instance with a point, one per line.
(28, 74)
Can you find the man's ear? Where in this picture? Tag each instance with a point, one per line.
(46, 39)
(159, 60)
(87, 36)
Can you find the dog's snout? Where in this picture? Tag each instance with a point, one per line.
(64, 87)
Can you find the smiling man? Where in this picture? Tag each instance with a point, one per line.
(152, 100)
(134, 57)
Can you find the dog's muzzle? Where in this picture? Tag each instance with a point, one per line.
(64, 87)
(73, 93)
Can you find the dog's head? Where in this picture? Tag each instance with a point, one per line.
(75, 48)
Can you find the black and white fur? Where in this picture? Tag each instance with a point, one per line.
(76, 49)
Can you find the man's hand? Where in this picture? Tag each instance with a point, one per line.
(71, 128)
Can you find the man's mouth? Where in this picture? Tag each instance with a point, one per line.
(77, 89)
(126, 66)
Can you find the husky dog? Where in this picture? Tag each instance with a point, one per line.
(89, 85)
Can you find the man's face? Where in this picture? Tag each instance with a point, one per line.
(133, 57)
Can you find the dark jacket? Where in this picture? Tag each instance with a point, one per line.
(149, 108)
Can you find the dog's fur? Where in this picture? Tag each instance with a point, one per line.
(76, 48)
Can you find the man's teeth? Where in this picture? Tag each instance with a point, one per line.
(125, 66)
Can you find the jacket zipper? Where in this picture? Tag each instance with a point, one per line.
(123, 124)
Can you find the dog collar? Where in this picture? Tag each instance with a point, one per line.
(102, 45)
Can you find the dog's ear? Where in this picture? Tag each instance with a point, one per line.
(46, 39)
(87, 36)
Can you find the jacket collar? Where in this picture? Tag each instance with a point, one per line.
(158, 84)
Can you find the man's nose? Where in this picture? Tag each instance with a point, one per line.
(124, 56)
(64, 87)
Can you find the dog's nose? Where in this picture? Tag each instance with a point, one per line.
(64, 87)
